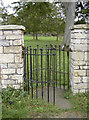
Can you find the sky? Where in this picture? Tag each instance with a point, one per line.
(8, 2)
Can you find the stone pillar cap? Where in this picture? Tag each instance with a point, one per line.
(80, 26)
(12, 27)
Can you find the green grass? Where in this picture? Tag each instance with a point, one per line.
(79, 101)
(42, 41)
(18, 104)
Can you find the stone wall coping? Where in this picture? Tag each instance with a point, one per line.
(80, 26)
(12, 27)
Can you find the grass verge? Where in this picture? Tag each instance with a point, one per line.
(18, 104)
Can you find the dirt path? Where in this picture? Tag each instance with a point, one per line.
(60, 101)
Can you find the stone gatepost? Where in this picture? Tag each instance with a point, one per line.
(80, 58)
(11, 59)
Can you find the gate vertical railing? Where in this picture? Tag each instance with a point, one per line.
(43, 68)
(59, 67)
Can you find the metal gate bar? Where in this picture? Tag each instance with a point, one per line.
(46, 67)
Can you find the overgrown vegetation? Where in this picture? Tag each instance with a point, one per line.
(18, 104)
(80, 101)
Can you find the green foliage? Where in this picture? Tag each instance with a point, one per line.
(82, 12)
(10, 95)
(17, 104)
(37, 17)
(80, 101)
(26, 107)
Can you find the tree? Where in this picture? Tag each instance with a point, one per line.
(52, 24)
(32, 15)
(82, 12)
(1, 7)
(42, 21)
(70, 15)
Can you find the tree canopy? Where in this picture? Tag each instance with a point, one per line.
(36, 17)
(44, 17)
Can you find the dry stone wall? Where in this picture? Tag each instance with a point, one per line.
(11, 60)
(80, 58)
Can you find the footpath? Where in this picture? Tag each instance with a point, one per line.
(60, 101)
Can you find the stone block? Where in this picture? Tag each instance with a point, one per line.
(16, 86)
(7, 71)
(3, 77)
(20, 71)
(87, 31)
(1, 33)
(8, 82)
(78, 62)
(17, 42)
(6, 58)
(87, 90)
(3, 65)
(13, 49)
(86, 56)
(18, 58)
(78, 31)
(13, 37)
(4, 43)
(17, 32)
(79, 73)
(85, 79)
(78, 35)
(76, 67)
(80, 86)
(77, 79)
(11, 42)
(16, 65)
(75, 91)
(86, 67)
(81, 47)
(1, 49)
(79, 41)
(15, 77)
(8, 32)
(12, 27)
(87, 72)
(82, 90)
(2, 37)
(81, 67)
(87, 62)
(87, 36)
(78, 56)
(20, 80)
(4, 86)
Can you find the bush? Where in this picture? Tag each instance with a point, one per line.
(11, 95)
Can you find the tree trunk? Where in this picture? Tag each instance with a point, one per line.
(70, 15)
(36, 36)
(33, 35)
(57, 36)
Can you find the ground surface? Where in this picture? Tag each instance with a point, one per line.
(60, 101)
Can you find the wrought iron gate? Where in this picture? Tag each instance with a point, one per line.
(47, 67)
